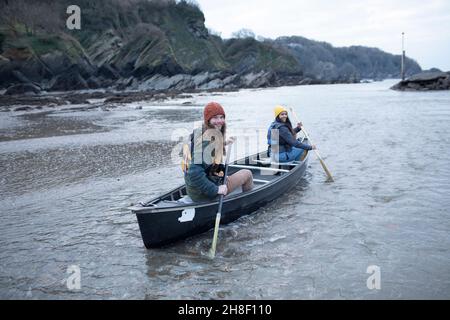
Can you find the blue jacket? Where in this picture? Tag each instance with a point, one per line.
(200, 185)
(286, 139)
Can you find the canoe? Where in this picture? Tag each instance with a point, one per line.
(173, 216)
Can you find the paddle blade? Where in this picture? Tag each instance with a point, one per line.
(212, 251)
(328, 173)
(330, 177)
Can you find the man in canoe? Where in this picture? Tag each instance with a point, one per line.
(204, 170)
(286, 148)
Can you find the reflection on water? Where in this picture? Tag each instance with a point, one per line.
(68, 177)
(25, 171)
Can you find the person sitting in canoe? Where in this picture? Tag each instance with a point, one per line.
(204, 171)
(287, 148)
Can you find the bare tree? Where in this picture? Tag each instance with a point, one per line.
(214, 32)
(9, 15)
(192, 3)
(31, 16)
(262, 39)
(243, 33)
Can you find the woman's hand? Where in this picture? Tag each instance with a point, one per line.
(223, 190)
(230, 140)
(313, 147)
(219, 174)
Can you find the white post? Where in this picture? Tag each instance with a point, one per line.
(403, 57)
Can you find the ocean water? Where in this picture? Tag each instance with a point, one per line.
(380, 231)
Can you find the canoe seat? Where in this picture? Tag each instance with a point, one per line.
(268, 162)
(144, 204)
(264, 161)
(186, 200)
(260, 181)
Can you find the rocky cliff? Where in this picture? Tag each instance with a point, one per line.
(160, 45)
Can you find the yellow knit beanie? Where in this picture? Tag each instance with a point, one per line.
(278, 110)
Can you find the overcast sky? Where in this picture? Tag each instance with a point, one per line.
(372, 23)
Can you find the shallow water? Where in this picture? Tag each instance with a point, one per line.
(68, 177)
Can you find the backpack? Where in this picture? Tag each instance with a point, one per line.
(274, 125)
(187, 150)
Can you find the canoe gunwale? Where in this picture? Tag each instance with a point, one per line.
(152, 208)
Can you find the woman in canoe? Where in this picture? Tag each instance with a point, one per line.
(289, 148)
(204, 174)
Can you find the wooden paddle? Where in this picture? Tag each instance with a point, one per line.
(212, 251)
(330, 177)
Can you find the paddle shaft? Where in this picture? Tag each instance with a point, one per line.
(219, 210)
(310, 141)
(328, 173)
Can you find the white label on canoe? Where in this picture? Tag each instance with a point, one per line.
(187, 215)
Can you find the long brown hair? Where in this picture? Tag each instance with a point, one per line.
(289, 125)
(223, 131)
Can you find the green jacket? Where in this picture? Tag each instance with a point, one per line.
(200, 185)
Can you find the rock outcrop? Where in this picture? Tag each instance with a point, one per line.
(425, 81)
